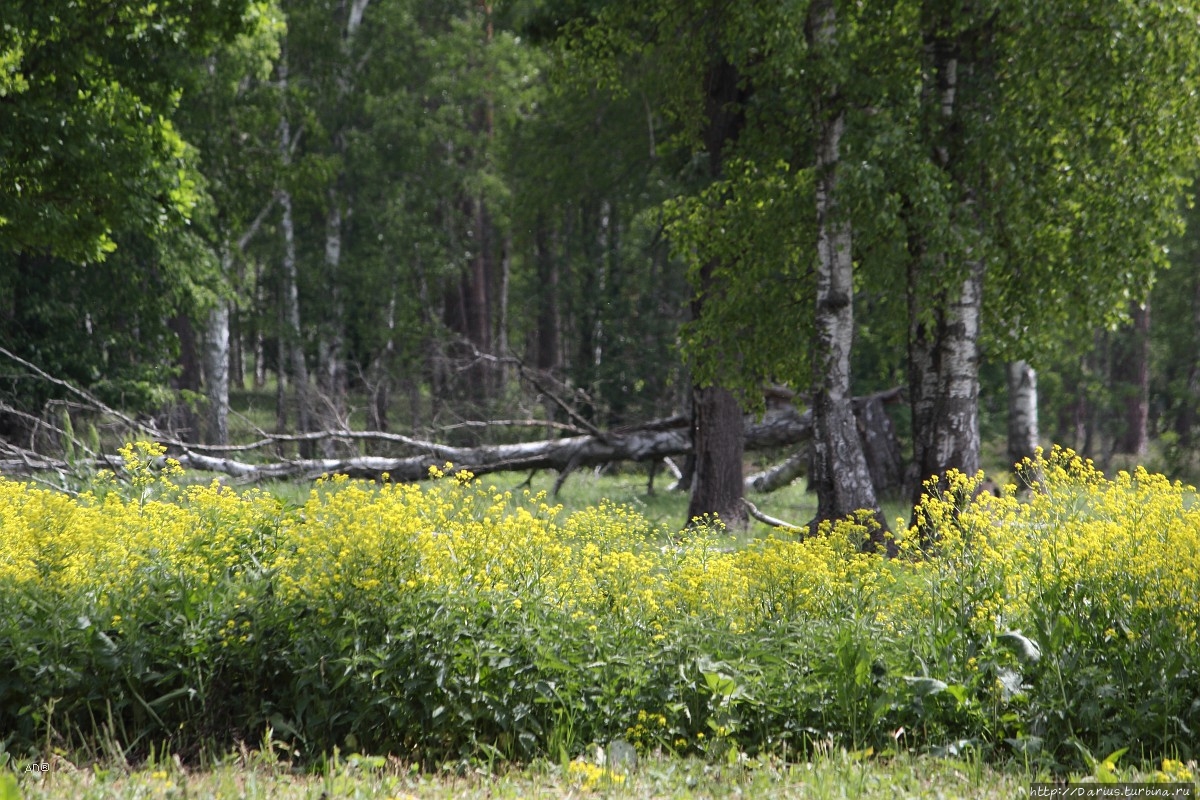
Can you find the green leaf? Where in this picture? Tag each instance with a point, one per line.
(8, 788)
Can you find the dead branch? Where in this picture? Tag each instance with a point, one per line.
(753, 511)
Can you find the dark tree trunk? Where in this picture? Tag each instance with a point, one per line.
(718, 442)
(183, 420)
(548, 326)
(1131, 376)
(1186, 420)
(237, 351)
(717, 481)
(880, 445)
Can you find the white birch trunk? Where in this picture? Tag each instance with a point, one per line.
(840, 475)
(1022, 411)
(331, 378)
(216, 368)
(331, 344)
(943, 344)
(291, 340)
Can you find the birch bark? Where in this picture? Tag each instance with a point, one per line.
(840, 476)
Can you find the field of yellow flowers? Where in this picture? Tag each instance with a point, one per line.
(454, 620)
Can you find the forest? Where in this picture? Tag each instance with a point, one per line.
(880, 240)
(284, 282)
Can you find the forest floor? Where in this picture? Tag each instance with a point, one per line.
(839, 775)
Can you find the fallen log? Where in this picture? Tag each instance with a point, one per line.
(646, 443)
(650, 443)
(780, 475)
(880, 446)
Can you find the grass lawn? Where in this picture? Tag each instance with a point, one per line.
(838, 775)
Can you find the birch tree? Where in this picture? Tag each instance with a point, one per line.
(839, 469)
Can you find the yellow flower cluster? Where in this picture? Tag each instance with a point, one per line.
(648, 729)
(1173, 772)
(1132, 544)
(1134, 540)
(107, 543)
(591, 776)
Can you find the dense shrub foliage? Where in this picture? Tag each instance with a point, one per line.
(456, 620)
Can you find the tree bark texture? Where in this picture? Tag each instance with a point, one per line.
(292, 343)
(944, 384)
(717, 480)
(944, 304)
(331, 379)
(1186, 420)
(331, 370)
(1022, 411)
(182, 419)
(840, 476)
(880, 447)
(718, 483)
(548, 324)
(216, 372)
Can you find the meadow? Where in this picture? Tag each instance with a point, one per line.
(458, 628)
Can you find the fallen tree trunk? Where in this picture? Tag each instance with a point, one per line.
(780, 475)
(650, 443)
(646, 443)
(879, 443)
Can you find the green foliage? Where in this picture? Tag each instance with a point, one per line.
(104, 326)
(749, 231)
(88, 144)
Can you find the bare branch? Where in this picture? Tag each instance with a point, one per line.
(753, 511)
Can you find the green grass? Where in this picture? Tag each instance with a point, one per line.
(836, 775)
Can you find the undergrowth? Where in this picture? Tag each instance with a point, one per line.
(461, 623)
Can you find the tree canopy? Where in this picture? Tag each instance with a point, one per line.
(588, 214)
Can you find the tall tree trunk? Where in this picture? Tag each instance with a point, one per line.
(944, 382)
(281, 360)
(839, 473)
(216, 373)
(469, 307)
(1131, 374)
(292, 342)
(379, 376)
(502, 343)
(237, 348)
(259, 336)
(1186, 420)
(183, 421)
(548, 325)
(718, 484)
(330, 369)
(1022, 412)
(944, 313)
